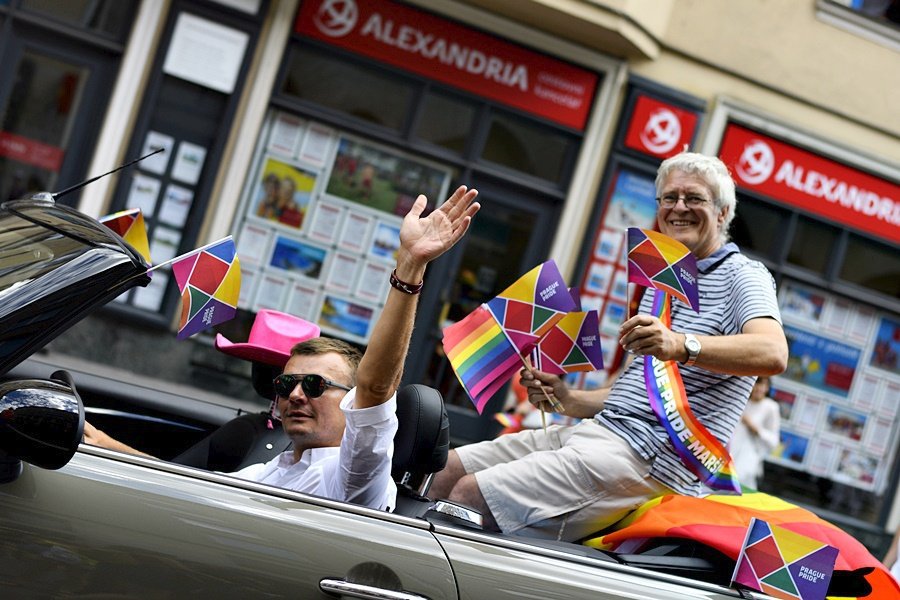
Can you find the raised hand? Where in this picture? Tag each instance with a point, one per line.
(424, 239)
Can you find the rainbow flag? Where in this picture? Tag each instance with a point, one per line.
(529, 308)
(721, 522)
(481, 355)
(784, 564)
(572, 345)
(129, 224)
(209, 279)
(658, 261)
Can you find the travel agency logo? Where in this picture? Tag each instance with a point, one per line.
(662, 131)
(756, 163)
(336, 18)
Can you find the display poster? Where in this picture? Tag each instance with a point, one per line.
(206, 53)
(188, 163)
(160, 161)
(297, 257)
(283, 193)
(383, 179)
(345, 318)
(385, 241)
(886, 350)
(143, 194)
(632, 202)
(820, 362)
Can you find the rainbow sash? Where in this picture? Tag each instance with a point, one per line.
(698, 449)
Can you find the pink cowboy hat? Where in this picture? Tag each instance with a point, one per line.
(272, 336)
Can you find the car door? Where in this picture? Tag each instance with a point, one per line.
(114, 525)
(519, 569)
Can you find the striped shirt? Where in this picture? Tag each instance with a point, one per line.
(733, 289)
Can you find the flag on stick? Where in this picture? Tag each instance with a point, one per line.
(658, 261)
(129, 224)
(481, 355)
(572, 345)
(209, 279)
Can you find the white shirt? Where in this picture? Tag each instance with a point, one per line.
(358, 471)
(749, 450)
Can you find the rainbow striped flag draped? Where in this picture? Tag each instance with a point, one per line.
(658, 261)
(721, 522)
(129, 224)
(486, 348)
(209, 279)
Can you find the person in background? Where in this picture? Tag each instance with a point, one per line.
(756, 435)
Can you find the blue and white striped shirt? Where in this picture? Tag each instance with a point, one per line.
(733, 290)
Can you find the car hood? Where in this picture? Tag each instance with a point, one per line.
(56, 266)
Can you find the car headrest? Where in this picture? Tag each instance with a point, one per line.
(262, 375)
(423, 434)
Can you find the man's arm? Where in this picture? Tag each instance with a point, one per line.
(580, 404)
(421, 241)
(95, 437)
(760, 348)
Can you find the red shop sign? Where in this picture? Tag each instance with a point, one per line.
(659, 129)
(430, 46)
(30, 152)
(813, 183)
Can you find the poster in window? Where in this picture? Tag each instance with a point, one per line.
(373, 282)
(287, 131)
(299, 258)
(838, 316)
(176, 205)
(786, 400)
(808, 413)
(249, 280)
(283, 193)
(865, 395)
(632, 202)
(317, 144)
(822, 455)
(820, 362)
(861, 324)
(856, 468)
(253, 243)
(609, 244)
(791, 447)
(188, 163)
(612, 317)
(845, 423)
(886, 350)
(619, 289)
(325, 221)
(164, 244)
(887, 400)
(342, 272)
(598, 278)
(159, 161)
(355, 233)
(384, 179)
(879, 435)
(271, 292)
(799, 303)
(303, 300)
(143, 194)
(346, 319)
(385, 241)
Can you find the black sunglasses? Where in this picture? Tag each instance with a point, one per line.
(312, 385)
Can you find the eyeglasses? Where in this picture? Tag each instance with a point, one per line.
(312, 385)
(690, 200)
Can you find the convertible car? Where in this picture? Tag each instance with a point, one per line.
(78, 521)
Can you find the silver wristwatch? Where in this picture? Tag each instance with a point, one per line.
(692, 345)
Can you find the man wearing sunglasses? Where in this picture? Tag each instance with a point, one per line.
(338, 406)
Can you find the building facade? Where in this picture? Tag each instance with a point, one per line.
(305, 128)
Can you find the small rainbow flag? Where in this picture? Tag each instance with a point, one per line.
(658, 261)
(209, 279)
(481, 355)
(129, 224)
(572, 345)
(784, 564)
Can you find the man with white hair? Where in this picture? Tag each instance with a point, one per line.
(571, 481)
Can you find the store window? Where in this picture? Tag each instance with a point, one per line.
(111, 18)
(878, 20)
(446, 121)
(323, 78)
(759, 227)
(812, 245)
(530, 148)
(872, 265)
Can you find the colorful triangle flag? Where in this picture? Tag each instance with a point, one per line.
(209, 279)
(129, 224)
(658, 261)
(572, 345)
(784, 564)
(529, 308)
(482, 356)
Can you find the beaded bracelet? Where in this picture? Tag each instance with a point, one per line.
(406, 288)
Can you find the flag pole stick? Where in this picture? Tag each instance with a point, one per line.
(553, 402)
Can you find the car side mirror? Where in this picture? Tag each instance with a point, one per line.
(41, 423)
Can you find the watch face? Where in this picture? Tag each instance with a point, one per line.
(692, 345)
